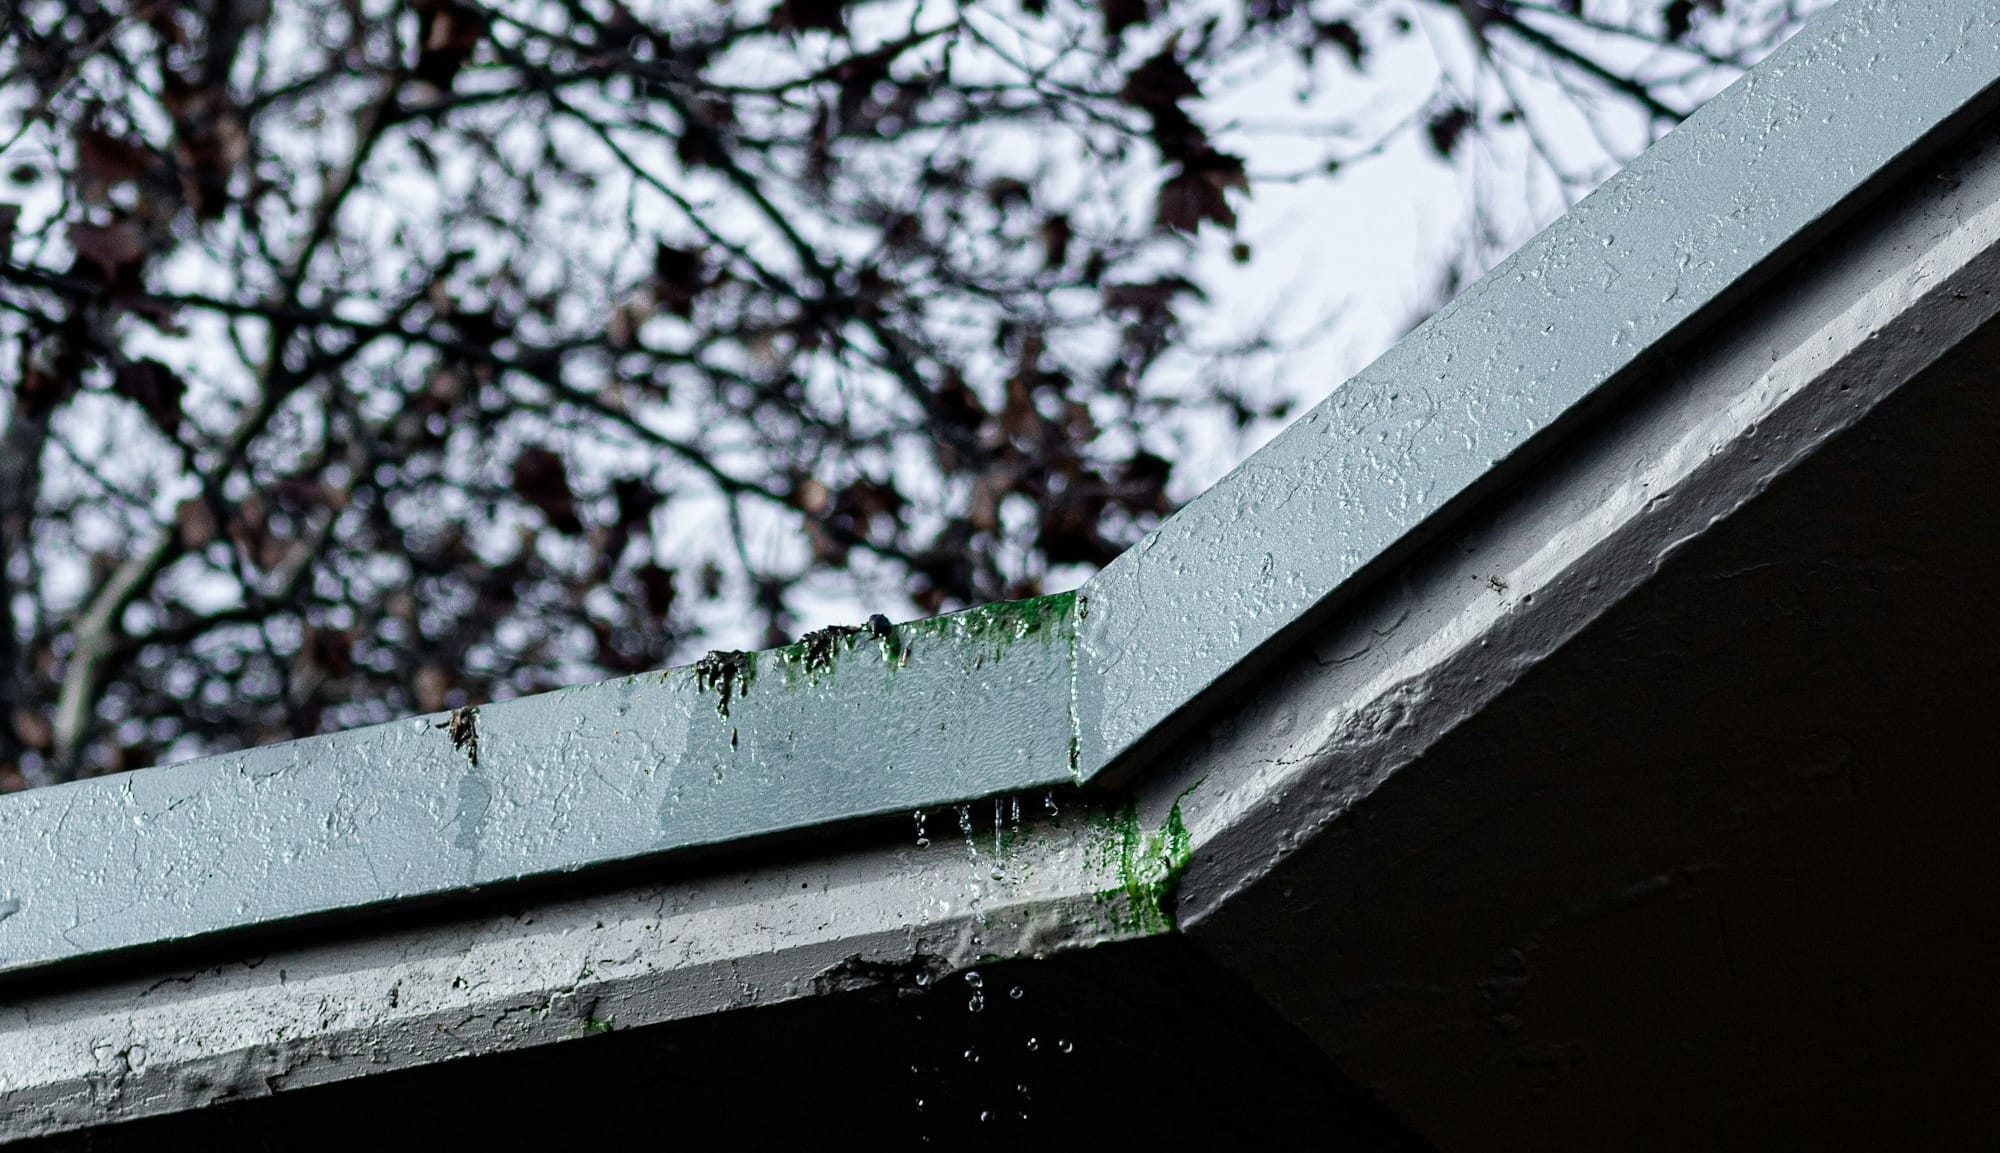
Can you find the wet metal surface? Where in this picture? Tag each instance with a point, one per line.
(1014, 696)
(1744, 181)
(955, 707)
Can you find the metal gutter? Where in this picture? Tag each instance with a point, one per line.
(1219, 824)
(1370, 696)
(1687, 231)
(1024, 696)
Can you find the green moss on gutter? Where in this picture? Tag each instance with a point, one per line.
(1148, 866)
(819, 648)
(727, 673)
(990, 630)
(1001, 625)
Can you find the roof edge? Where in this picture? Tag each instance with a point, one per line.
(861, 722)
(1475, 394)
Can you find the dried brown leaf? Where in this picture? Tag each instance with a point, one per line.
(656, 589)
(197, 523)
(104, 161)
(804, 15)
(679, 277)
(541, 479)
(1159, 82)
(1056, 234)
(114, 248)
(1120, 15)
(155, 388)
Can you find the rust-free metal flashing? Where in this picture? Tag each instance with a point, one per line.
(1031, 695)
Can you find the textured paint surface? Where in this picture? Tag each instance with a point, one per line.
(1009, 697)
(849, 726)
(1365, 701)
(555, 969)
(1568, 313)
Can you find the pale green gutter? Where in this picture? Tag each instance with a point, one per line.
(1042, 693)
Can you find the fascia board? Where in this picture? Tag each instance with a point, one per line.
(1029, 695)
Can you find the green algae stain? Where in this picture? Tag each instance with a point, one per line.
(999, 626)
(980, 634)
(1148, 866)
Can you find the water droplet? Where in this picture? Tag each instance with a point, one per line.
(920, 1103)
(1021, 1089)
(986, 1114)
(1065, 1046)
(1033, 1044)
(923, 978)
(972, 1056)
(1017, 992)
(975, 1003)
(973, 979)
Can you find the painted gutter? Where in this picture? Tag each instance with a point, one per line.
(1374, 697)
(1015, 697)
(1687, 231)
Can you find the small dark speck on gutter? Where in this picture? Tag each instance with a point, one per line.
(463, 725)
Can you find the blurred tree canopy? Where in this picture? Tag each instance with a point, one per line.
(365, 357)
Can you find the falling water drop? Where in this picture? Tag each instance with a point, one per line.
(972, 1056)
(1065, 1046)
(1016, 993)
(923, 842)
(973, 979)
(1049, 802)
(975, 1003)
(1034, 1044)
